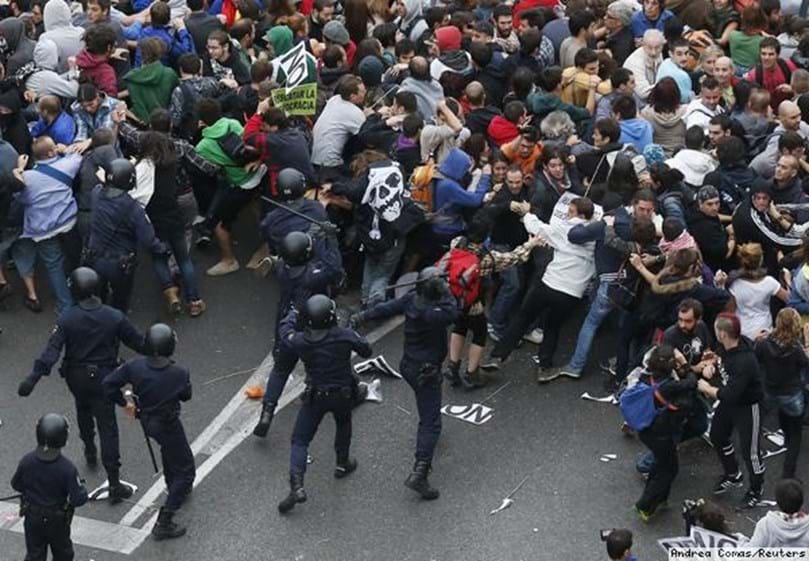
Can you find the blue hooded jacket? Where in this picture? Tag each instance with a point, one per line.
(637, 132)
(62, 130)
(451, 196)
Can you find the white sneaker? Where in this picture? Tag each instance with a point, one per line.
(536, 336)
(493, 335)
(223, 268)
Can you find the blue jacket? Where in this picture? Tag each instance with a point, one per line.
(608, 260)
(177, 42)
(48, 202)
(640, 23)
(637, 132)
(119, 225)
(62, 130)
(451, 197)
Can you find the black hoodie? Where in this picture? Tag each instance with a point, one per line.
(12, 124)
(477, 121)
(710, 236)
(781, 366)
(740, 376)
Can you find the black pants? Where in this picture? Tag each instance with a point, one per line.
(661, 440)
(428, 404)
(540, 299)
(179, 470)
(117, 281)
(309, 417)
(94, 410)
(746, 420)
(43, 531)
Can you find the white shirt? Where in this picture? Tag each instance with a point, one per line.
(753, 304)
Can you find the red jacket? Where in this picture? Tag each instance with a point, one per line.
(502, 131)
(98, 70)
(526, 5)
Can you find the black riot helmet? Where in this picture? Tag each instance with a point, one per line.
(51, 436)
(296, 248)
(83, 283)
(120, 174)
(160, 341)
(291, 184)
(431, 284)
(320, 312)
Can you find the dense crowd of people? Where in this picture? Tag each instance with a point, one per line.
(643, 161)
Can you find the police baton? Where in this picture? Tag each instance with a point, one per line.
(328, 227)
(414, 282)
(136, 401)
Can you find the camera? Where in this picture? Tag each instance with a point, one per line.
(604, 534)
(691, 512)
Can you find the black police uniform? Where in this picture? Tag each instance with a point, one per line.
(279, 222)
(425, 347)
(119, 224)
(330, 385)
(90, 334)
(160, 386)
(50, 490)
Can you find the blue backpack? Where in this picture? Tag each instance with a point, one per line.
(638, 406)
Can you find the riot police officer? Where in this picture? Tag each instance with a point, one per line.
(90, 334)
(51, 490)
(300, 275)
(159, 385)
(428, 311)
(325, 349)
(119, 224)
(279, 221)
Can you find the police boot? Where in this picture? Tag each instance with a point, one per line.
(452, 373)
(418, 481)
(118, 491)
(345, 466)
(296, 494)
(172, 295)
(166, 528)
(263, 426)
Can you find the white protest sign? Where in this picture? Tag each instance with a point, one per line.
(476, 413)
(294, 65)
(561, 207)
(679, 543)
(712, 540)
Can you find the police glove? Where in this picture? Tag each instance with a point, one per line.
(355, 321)
(26, 387)
(329, 229)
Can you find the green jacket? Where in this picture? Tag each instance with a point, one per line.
(150, 88)
(209, 149)
(540, 104)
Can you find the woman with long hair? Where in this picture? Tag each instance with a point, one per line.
(675, 391)
(158, 160)
(665, 113)
(752, 289)
(783, 361)
(358, 19)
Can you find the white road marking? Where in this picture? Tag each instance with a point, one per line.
(85, 531)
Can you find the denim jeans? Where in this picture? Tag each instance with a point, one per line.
(179, 250)
(377, 272)
(599, 310)
(26, 252)
(508, 296)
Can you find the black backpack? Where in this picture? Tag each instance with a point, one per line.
(189, 127)
(234, 148)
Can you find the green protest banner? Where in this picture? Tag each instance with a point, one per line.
(300, 100)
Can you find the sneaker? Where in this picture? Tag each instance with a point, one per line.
(644, 515)
(204, 235)
(223, 268)
(493, 334)
(493, 364)
(546, 375)
(569, 372)
(728, 482)
(536, 336)
(751, 499)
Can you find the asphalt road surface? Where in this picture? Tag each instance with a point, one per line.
(544, 437)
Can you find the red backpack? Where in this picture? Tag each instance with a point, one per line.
(463, 271)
